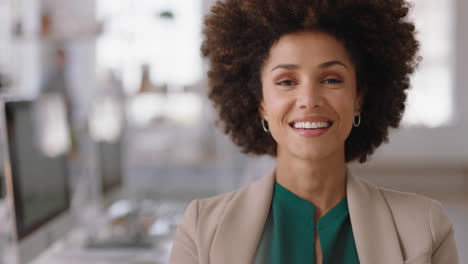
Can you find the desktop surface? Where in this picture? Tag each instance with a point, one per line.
(75, 248)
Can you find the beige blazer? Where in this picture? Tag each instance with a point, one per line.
(389, 227)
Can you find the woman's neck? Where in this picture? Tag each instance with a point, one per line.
(322, 183)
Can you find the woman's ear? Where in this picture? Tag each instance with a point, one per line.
(261, 109)
(358, 103)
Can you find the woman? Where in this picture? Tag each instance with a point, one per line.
(317, 84)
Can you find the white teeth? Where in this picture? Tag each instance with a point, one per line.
(311, 125)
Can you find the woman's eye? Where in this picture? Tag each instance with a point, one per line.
(331, 81)
(286, 82)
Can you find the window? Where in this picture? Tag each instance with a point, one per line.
(430, 100)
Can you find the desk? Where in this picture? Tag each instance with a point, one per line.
(72, 249)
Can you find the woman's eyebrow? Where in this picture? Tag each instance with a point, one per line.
(326, 64)
(287, 67)
(331, 63)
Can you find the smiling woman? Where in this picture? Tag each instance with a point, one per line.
(316, 84)
(309, 96)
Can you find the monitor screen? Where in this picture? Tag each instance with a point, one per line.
(39, 177)
(110, 169)
(106, 127)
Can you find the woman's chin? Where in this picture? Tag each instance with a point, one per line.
(312, 155)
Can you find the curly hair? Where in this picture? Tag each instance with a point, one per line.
(238, 35)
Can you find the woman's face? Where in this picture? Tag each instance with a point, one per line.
(309, 95)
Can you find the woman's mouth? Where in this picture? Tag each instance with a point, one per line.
(310, 128)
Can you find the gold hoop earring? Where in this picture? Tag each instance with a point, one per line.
(265, 124)
(358, 122)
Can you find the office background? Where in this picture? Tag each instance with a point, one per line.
(146, 53)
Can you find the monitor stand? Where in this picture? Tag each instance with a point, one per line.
(34, 245)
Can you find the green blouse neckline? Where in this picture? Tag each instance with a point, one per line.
(290, 230)
(296, 206)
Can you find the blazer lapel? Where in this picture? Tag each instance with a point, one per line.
(374, 230)
(240, 229)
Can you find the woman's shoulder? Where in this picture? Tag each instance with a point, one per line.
(214, 206)
(416, 214)
(411, 204)
(212, 210)
(407, 201)
(197, 228)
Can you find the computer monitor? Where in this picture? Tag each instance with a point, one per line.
(36, 172)
(107, 126)
(110, 165)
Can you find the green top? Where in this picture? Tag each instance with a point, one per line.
(289, 234)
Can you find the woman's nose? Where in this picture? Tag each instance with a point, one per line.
(309, 96)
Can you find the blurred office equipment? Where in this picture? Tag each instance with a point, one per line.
(56, 81)
(126, 220)
(115, 211)
(110, 165)
(2, 185)
(4, 82)
(107, 125)
(124, 229)
(2, 171)
(36, 175)
(145, 84)
(107, 133)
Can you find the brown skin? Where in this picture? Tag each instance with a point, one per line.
(308, 88)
